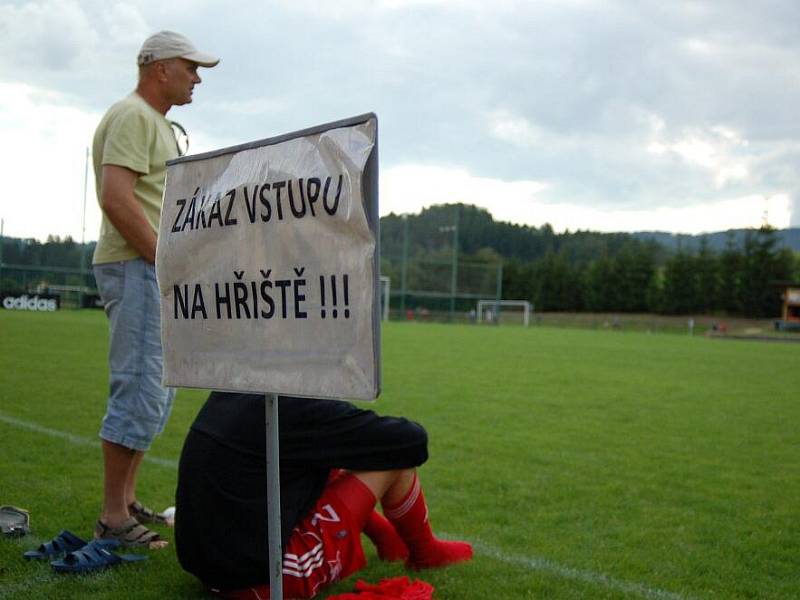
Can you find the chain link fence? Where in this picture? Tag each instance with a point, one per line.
(425, 289)
(23, 286)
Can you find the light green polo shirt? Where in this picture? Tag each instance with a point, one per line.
(134, 135)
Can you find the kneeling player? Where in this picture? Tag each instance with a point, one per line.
(336, 461)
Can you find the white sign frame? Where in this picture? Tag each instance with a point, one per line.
(209, 345)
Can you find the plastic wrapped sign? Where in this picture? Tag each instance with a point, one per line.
(268, 265)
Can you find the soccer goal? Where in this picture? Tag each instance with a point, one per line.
(386, 289)
(491, 311)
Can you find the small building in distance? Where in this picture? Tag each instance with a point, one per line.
(790, 314)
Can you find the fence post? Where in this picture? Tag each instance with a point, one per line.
(404, 269)
(2, 244)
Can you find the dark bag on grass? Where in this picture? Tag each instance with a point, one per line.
(14, 521)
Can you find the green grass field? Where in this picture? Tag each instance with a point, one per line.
(581, 464)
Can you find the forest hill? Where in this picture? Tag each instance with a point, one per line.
(570, 271)
(278, 200)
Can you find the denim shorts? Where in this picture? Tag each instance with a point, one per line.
(138, 405)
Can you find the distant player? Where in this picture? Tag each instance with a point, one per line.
(336, 462)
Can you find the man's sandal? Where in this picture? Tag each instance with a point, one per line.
(145, 515)
(131, 534)
(94, 556)
(63, 543)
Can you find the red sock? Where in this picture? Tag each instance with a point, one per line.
(410, 519)
(390, 546)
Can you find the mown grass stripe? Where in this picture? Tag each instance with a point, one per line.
(548, 566)
(527, 562)
(77, 439)
(15, 589)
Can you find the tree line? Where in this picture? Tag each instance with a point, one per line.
(569, 271)
(738, 281)
(597, 272)
(55, 251)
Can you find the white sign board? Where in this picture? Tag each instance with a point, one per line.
(268, 265)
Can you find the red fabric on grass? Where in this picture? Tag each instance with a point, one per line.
(394, 588)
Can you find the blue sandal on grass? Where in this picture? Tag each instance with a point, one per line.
(94, 556)
(61, 544)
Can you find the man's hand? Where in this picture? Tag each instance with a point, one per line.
(125, 213)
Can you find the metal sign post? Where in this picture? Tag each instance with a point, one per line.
(273, 498)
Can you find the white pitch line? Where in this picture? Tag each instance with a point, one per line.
(76, 439)
(533, 563)
(527, 562)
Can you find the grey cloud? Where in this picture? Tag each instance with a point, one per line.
(41, 37)
(588, 76)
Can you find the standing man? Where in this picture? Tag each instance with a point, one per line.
(131, 146)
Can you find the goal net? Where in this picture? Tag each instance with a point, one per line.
(504, 311)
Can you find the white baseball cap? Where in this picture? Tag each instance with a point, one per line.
(168, 44)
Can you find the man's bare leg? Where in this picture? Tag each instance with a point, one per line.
(130, 484)
(118, 462)
(387, 486)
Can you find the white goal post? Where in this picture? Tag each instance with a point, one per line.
(386, 288)
(495, 305)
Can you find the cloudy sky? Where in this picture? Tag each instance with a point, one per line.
(588, 114)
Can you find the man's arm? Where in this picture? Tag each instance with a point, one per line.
(125, 213)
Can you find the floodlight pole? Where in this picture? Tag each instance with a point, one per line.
(274, 549)
(85, 186)
(499, 293)
(454, 265)
(83, 228)
(2, 243)
(404, 268)
(454, 280)
(454, 271)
